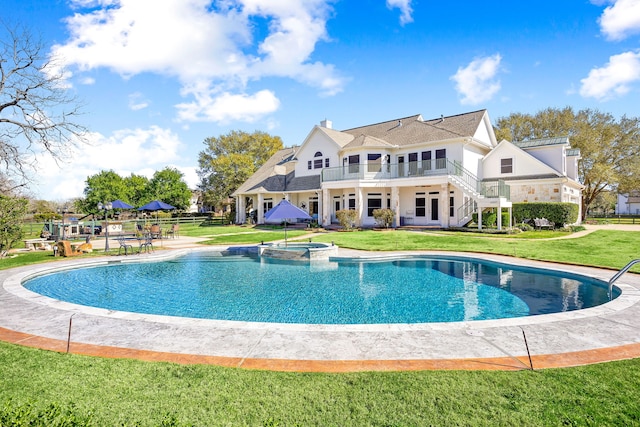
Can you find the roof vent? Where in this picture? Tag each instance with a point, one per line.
(399, 123)
(441, 118)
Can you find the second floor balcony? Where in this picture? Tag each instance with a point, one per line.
(373, 171)
(429, 168)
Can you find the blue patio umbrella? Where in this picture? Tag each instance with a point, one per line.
(119, 204)
(156, 206)
(285, 211)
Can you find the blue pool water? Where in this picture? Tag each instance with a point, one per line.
(414, 290)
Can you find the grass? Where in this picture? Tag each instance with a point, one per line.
(46, 388)
(604, 248)
(126, 392)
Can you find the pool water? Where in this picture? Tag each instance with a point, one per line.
(413, 290)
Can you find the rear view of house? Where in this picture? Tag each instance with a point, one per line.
(436, 172)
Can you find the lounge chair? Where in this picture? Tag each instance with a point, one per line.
(64, 249)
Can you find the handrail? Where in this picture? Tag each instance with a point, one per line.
(620, 273)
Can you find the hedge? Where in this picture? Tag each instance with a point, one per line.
(561, 213)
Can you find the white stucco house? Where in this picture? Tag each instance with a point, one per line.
(434, 172)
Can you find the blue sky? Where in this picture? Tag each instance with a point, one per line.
(157, 77)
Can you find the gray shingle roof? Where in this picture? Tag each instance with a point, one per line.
(302, 183)
(271, 175)
(573, 152)
(367, 141)
(413, 129)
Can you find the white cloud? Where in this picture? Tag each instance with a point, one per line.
(127, 151)
(228, 107)
(621, 19)
(405, 10)
(137, 101)
(614, 78)
(477, 82)
(209, 48)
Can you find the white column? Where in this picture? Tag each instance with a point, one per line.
(326, 205)
(359, 204)
(395, 204)
(260, 209)
(444, 206)
(241, 215)
(479, 217)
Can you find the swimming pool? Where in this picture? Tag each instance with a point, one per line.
(416, 289)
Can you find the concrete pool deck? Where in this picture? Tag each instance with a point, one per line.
(604, 333)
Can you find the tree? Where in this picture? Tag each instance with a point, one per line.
(605, 202)
(36, 111)
(103, 187)
(137, 187)
(12, 212)
(229, 160)
(168, 185)
(610, 149)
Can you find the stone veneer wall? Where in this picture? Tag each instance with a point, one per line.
(536, 193)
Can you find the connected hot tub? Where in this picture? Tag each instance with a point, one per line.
(298, 250)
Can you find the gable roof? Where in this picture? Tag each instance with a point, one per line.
(271, 176)
(367, 141)
(543, 169)
(413, 129)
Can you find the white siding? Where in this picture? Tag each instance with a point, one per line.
(551, 155)
(523, 164)
(316, 142)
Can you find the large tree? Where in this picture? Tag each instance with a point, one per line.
(229, 160)
(37, 112)
(103, 187)
(610, 148)
(168, 185)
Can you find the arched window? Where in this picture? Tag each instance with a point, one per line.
(317, 160)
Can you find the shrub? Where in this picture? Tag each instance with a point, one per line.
(505, 219)
(347, 218)
(488, 219)
(12, 212)
(525, 227)
(384, 217)
(560, 213)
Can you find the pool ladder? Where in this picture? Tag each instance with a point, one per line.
(620, 273)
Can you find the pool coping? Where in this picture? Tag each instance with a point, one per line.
(598, 334)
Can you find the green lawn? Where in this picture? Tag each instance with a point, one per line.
(46, 388)
(613, 249)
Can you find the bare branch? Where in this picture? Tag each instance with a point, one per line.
(37, 111)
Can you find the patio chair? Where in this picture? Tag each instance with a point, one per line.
(146, 243)
(174, 231)
(124, 245)
(155, 231)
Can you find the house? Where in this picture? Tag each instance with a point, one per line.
(434, 172)
(628, 204)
